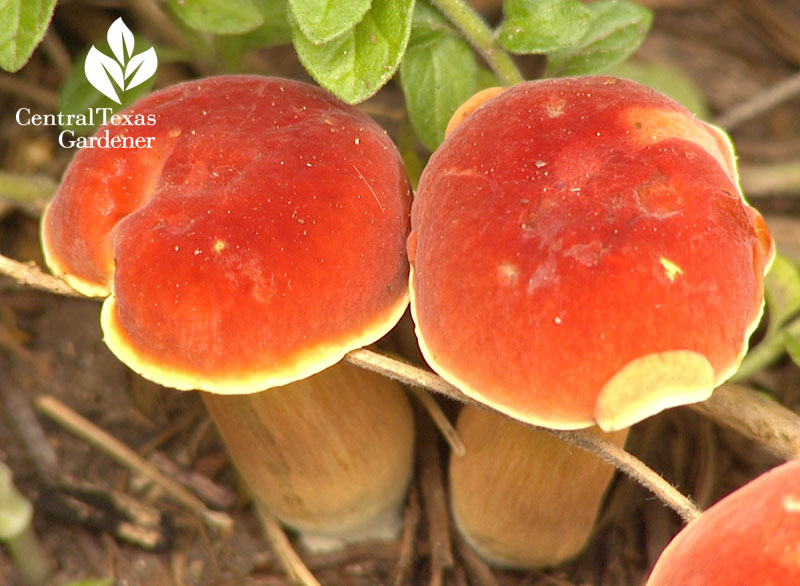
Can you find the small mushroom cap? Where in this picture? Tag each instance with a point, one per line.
(581, 253)
(752, 536)
(260, 238)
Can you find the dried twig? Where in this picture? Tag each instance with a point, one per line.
(755, 416)
(435, 501)
(30, 275)
(27, 426)
(760, 103)
(291, 563)
(100, 439)
(17, 86)
(480, 574)
(411, 519)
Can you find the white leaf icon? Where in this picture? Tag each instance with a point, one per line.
(120, 39)
(98, 67)
(142, 67)
(101, 69)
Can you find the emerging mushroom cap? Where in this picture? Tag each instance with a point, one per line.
(259, 239)
(752, 536)
(581, 252)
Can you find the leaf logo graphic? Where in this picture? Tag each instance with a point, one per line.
(124, 70)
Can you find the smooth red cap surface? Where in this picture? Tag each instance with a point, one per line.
(258, 240)
(751, 537)
(581, 253)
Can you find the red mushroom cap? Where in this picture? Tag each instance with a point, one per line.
(581, 253)
(259, 239)
(752, 536)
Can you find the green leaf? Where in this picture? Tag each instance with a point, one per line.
(324, 20)
(437, 75)
(275, 31)
(23, 24)
(486, 79)
(667, 79)
(782, 292)
(223, 17)
(78, 96)
(791, 341)
(542, 26)
(357, 64)
(616, 31)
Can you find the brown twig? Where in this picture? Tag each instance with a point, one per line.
(124, 455)
(760, 103)
(435, 502)
(480, 574)
(30, 275)
(434, 411)
(755, 416)
(763, 179)
(411, 519)
(291, 563)
(17, 86)
(27, 426)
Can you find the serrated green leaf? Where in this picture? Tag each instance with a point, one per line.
(542, 26)
(437, 75)
(782, 292)
(357, 64)
(324, 20)
(667, 79)
(616, 31)
(23, 24)
(78, 96)
(223, 17)
(275, 31)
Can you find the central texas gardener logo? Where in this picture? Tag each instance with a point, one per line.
(124, 70)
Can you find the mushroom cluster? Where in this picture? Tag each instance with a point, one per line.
(578, 254)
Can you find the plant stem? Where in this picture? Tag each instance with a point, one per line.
(29, 557)
(766, 351)
(30, 192)
(481, 38)
(755, 416)
(16, 532)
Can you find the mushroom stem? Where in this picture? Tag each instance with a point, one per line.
(330, 455)
(521, 497)
(622, 460)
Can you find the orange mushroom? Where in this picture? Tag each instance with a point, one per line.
(580, 254)
(258, 241)
(752, 536)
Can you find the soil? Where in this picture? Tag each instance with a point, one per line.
(733, 50)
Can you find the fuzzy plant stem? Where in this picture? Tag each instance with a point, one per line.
(16, 532)
(480, 36)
